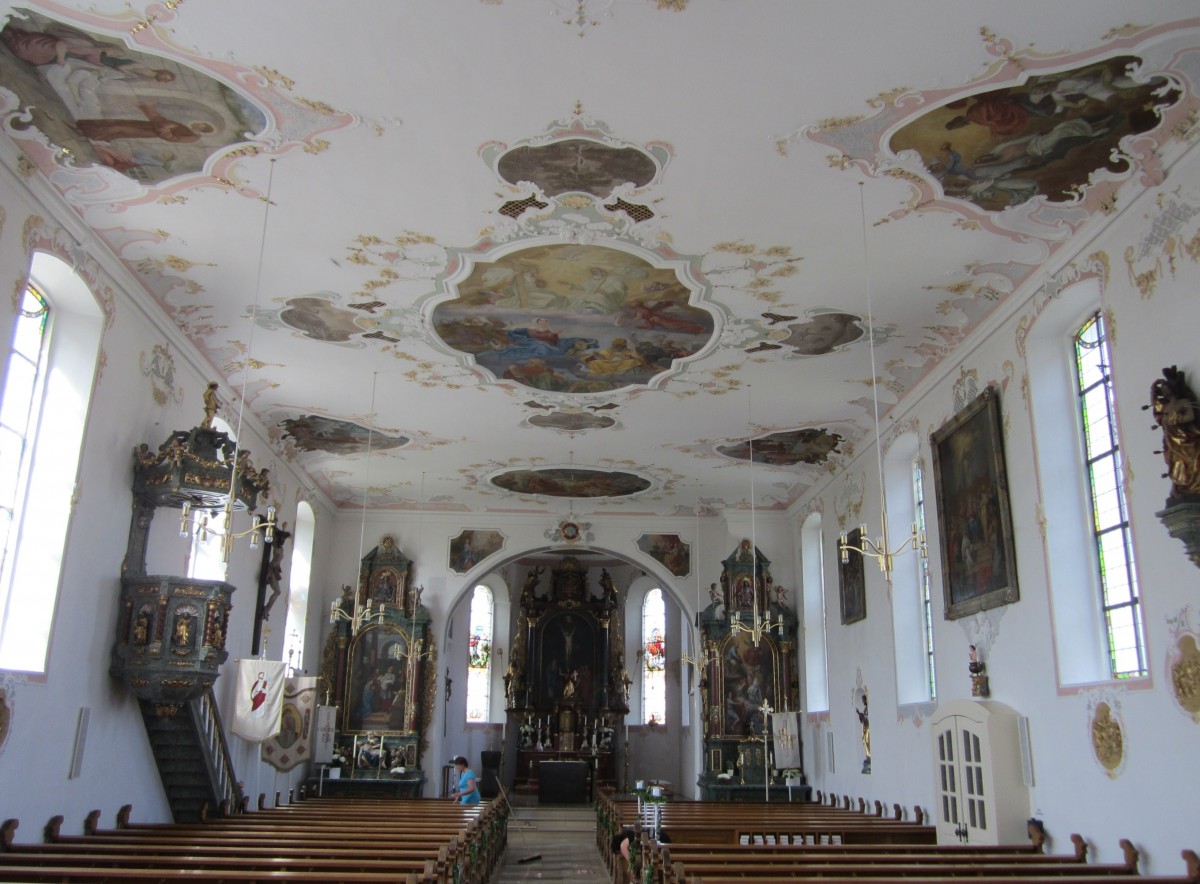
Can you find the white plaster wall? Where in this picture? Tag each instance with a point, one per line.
(1151, 799)
(118, 767)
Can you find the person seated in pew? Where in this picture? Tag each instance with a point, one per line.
(468, 784)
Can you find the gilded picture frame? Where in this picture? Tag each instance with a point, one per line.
(852, 580)
(975, 532)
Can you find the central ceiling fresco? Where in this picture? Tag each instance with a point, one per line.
(432, 276)
(573, 319)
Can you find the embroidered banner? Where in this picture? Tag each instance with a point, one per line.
(785, 738)
(258, 705)
(293, 744)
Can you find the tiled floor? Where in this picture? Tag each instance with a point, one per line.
(564, 836)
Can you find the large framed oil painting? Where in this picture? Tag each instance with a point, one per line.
(975, 524)
(852, 580)
(749, 675)
(377, 687)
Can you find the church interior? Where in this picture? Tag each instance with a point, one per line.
(746, 398)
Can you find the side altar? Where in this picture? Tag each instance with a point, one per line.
(379, 664)
(749, 689)
(566, 686)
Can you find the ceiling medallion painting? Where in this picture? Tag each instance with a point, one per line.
(573, 318)
(101, 103)
(1036, 144)
(577, 165)
(1045, 137)
(571, 421)
(787, 448)
(314, 432)
(571, 482)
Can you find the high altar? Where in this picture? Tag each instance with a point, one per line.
(749, 672)
(380, 664)
(566, 685)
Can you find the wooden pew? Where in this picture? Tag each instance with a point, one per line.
(418, 841)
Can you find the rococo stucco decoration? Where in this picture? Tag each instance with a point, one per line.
(1106, 732)
(1183, 664)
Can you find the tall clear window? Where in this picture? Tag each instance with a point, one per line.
(43, 414)
(1120, 601)
(479, 655)
(298, 585)
(922, 564)
(816, 669)
(654, 658)
(206, 551)
(19, 413)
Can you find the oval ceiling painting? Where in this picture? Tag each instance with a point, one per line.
(148, 117)
(571, 482)
(577, 165)
(1043, 138)
(573, 318)
(787, 448)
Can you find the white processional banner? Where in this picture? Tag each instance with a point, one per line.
(293, 744)
(323, 740)
(258, 705)
(785, 737)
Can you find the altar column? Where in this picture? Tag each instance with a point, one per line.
(533, 670)
(605, 662)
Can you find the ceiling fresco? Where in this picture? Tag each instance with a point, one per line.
(576, 164)
(1046, 137)
(314, 432)
(101, 103)
(571, 482)
(785, 449)
(573, 318)
(503, 269)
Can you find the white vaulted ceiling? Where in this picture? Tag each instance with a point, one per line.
(460, 188)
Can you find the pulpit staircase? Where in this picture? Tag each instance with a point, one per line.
(193, 758)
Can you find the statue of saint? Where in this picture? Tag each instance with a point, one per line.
(1175, 410)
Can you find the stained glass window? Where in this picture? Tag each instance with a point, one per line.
(654, 658)
(479, 656)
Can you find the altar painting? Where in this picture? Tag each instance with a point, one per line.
(378, 681)
(748, 677)
(570, 668)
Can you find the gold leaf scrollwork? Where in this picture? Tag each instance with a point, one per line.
(1108, 740)
(1185, 677)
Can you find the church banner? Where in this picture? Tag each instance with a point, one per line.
(785, 735)
(258, 705)
(326, 730)
(293, 744)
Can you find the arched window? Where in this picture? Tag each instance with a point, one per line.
(816, 664)
(1119, 598)
(298, 583)
(1093, 581)
(911, 630)
(206, 552)
(43, 411)
(654, 658)
(479, 655)
(922, 562)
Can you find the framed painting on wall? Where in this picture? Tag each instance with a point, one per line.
(974, 522)
(852, 580)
